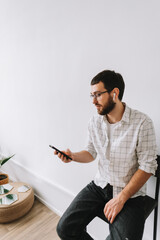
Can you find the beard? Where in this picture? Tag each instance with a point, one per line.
(108, 107)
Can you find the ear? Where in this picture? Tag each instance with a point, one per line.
(115, 94)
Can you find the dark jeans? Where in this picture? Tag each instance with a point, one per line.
(89, 203)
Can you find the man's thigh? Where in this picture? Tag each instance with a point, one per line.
(129, 223)
(82, 210)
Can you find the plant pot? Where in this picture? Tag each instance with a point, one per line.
(4, 178)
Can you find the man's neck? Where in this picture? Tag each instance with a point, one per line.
(116, 114)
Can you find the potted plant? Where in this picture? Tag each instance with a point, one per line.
(4, 177)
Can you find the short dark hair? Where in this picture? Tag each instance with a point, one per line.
(111, 80)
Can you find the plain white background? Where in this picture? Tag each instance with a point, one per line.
(49, 52)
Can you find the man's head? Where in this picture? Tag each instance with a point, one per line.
(107, 89)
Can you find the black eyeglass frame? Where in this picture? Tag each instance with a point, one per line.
(97, 95)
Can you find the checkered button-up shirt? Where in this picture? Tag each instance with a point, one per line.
(133, 147)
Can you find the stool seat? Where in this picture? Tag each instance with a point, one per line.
(20, 207)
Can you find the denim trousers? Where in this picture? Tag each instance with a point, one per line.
(89, 203)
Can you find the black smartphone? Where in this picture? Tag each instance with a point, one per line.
(60, 152)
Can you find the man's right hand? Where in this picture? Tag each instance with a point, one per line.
(62, 157)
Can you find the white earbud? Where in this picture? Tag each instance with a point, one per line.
(114, 95)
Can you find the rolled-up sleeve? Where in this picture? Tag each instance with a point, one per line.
(89, 143)
(146, 147)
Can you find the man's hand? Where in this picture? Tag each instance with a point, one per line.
(113, 207)
(62, 157)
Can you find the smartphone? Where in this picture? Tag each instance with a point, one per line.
(60, 152)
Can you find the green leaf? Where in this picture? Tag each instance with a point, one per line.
(6, 190)
(5, 160)
(10, 196)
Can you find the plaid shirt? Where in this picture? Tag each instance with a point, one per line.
(133, 147)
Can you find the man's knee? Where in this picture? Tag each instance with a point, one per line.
(64, 229)
(60, 229)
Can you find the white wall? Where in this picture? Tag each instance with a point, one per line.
(49, 52)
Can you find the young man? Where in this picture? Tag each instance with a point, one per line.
(124, 142)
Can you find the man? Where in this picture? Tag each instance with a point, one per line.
(124, 142)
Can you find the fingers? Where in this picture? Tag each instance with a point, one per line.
(55, 152)
(112, 208)
(62, 157)
(113, 217)
(110, 213)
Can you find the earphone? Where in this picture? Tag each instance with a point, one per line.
(114, 94)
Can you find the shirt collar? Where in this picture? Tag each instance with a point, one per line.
(126, 114)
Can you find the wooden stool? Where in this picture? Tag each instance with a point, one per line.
(9, 213)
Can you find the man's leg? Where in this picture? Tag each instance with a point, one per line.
(84, 208)
(129, 223)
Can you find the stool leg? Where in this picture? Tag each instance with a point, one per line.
(155, 223)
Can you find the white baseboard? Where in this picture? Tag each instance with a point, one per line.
(49, 193)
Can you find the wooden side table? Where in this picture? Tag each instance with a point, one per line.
(19, 208)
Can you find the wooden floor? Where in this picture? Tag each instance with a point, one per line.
(39, 224)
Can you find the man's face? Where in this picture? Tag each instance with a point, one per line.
(104, 102)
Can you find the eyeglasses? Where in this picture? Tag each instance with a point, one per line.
(97, 95)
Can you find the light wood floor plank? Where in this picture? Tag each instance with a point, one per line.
(40, 223)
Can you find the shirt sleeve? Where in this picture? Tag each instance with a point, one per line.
(89, 142)
(146, 147)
